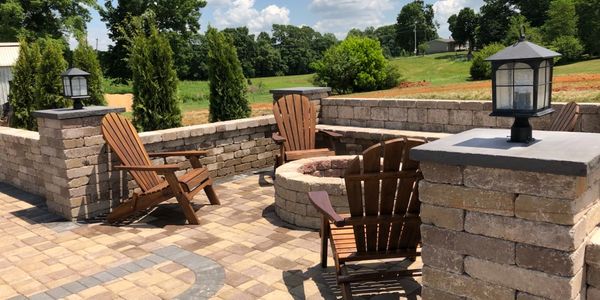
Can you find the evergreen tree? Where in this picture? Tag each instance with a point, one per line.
(85, 58)
(49, 86)
(155, 102)
(22, 99)
(228, 99)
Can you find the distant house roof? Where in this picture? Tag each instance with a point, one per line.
(9, 52)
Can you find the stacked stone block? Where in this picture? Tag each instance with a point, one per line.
(435, 115)
(491, 233)
(297, 178)
(76, 175)
(592, 260)
(20, 159)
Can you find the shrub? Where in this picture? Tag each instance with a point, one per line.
(155, 101)
(569, 46)
(85, 58)
(22, 94)
(49, 86)
(357, 64)
(481, 69)
(228, 98)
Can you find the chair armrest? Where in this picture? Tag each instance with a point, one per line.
(160, 169)
(278, 138)
(330, 133)
(179, 153)
(321, 202)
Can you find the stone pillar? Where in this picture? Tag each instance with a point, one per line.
(508, 221)
(76, 177)
(314, 94)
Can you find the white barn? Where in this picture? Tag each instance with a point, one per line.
(9, 52)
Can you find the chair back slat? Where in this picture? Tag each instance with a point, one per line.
(567, 118)
(296, 121)
(385, 196)
(124, 141)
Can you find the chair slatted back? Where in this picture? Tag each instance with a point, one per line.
(567, 118)
(296, 120)
(385, 196)
(124, 141)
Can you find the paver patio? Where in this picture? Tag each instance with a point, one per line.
(241, 250)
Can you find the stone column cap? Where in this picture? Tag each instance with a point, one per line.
(563, 153)
(69, 113)
(301, 90)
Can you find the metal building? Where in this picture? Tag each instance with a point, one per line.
(9, 52)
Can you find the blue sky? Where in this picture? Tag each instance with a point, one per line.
(335, 16)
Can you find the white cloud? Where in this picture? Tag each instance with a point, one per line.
(234, 13)
(445, 8)
(340, 16)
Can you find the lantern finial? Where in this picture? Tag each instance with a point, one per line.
(522, 37)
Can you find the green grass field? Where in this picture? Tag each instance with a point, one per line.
(437, 69)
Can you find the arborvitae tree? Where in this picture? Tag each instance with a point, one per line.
(85, 58)
(155, 101)
(22, 99)
(228, 99)
(48, 80)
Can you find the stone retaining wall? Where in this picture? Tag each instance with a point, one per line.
(435, 115)
(20, 159)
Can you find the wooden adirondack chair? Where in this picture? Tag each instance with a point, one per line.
(124, 141)
(383, 225)
(567, 118)
(296, 120)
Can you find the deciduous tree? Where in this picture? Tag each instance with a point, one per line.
(494, 21)
(418, 14)
(464, 27)
(589, 24)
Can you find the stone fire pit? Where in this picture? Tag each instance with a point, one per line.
(295, 179)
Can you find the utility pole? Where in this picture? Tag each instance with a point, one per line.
(415, 38)
(96, 44)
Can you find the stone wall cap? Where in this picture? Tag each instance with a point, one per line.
(69, 113)
(563, 153)
(301, 90)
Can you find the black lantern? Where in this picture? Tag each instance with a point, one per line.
(522, 85)
(75, 86)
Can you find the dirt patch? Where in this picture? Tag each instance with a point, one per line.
(200, 116)
(119, 100)
(575, 82)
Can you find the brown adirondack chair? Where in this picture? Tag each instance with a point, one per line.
(383, 225)
(567, 118)
(296, 120)
(124, 141)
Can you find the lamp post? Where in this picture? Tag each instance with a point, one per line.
(522, 85)
(75, 86)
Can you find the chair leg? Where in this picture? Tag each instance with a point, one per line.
(212, 196)
(188, 211)
(346, 291)
(324, 238)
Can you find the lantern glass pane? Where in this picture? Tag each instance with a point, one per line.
(504, 75)
(547, 99)
(67, 86)
(523, 98)
(82, 86)
(541, 96)
(542, 73)
(504, 97)
(523, 74)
